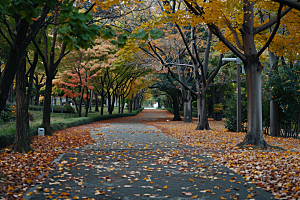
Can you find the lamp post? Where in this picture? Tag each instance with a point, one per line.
(238, 89)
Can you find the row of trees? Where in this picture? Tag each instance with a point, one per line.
(45, 33)
(52, 30)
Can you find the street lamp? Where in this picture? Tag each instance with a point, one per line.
(238, 88)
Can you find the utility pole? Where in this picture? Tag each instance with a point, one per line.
(238, 90)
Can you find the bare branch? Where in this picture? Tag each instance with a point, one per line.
(237, 41)
(271, 23)
(293, 4)
(272, 35)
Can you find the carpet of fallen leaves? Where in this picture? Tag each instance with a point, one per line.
(18, 172)
(273, 170)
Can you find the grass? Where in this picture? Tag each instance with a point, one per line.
(56, 118)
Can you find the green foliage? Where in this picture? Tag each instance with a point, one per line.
(74, 29)
(230, 112)
(7, 113)
(27, 9)
(68, 109)
(56, 109)
(284, 87)
(218, 107)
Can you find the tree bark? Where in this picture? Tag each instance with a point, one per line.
(176, 108)
(22, 139)
(254, 134)
(187, 108)
(203, 122)
(96, 102)
(47, 106)
(274, 107)
(102, 103)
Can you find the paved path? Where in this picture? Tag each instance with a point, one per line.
(131, 160)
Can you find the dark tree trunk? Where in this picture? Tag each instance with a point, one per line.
(274, 107)
(102, 103)
(22, 139)
(109, 106)
(187, 108)
(96, 102)
(119, 105)
(87, 102)
(11, 94)
(131, 102)
(47, 106)
(254, 134)
(123, 104)
(67, 100)
(91, 101)
(203, 122)
(176, 108)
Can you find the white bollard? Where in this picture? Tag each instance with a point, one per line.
(41, 131)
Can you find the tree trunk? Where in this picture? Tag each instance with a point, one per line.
(176, 108)
(274, 107)
(119, 106)
(22, 139)
(96, 102)
(254, 134)
(274, 118)
(109, 102)
(91, 101)
(102, 103)
(11, 94)
(123, 104)
(187, 108)
(131, 102)
(203, 122)
(67, 100)
(87, 103)
(47, 106)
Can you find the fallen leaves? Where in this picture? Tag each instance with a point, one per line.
(22, 170)
(271, 170)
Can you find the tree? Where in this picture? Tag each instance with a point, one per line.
(243, 43)
(66, 19)
(28, 18)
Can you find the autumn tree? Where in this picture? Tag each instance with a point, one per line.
(240, 30)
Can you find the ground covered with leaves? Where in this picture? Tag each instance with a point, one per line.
(273, 170)
(276, 171)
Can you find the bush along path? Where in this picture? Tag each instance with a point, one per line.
(147, 156)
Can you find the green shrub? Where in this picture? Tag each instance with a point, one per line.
(68, 109)
(230, 113)
(8, 113)
(56, 109)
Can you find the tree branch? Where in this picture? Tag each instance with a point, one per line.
(271, 23)
(212, 76)
(237, 41)
(272, 35)
(42, 56)
(216, 31)
(5, 38)
(293, 4)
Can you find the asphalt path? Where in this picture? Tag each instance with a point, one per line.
(131, 160)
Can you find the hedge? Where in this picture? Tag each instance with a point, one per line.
(8, 139)
(56, 109)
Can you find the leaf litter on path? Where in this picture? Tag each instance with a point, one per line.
(274, 171)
